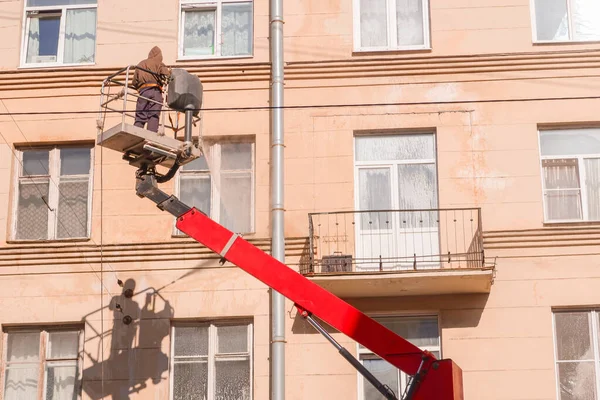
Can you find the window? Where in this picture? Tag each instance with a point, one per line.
(42, 364)
(395, 174)
(222, 184)
(59, 32)
(577, 343)
(566, 20)
(215, 28)
(212, 361)
(391, 25)
(571, 174)
(53, 194)
(420, 331)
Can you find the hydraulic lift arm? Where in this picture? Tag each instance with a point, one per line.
(431, 379)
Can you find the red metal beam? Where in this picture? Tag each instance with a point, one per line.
(444, 378)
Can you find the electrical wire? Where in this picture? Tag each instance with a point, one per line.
(319, 106)
(60, 194)
(94, 271)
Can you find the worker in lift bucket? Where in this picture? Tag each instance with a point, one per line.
(148, 79)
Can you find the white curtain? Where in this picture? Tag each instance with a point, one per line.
(33, 39)
(22, 378)
(236, 26)
(395, 147)
(563, 195)
(375, 193)
(551, 20)
(199, 33)
(417, 190)
(80, 36)
(409, 17)
(236, 201)
(61, 382)
(586, 19)
(373, 23)
(592, 172)
(21, 383)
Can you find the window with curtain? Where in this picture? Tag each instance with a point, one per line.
(566, 20)
(212, 361)
(59, 32)
(576, 356)
(46, 358)
(221, 184)
(571, 174)
(53, 194)
(218, 28)
(391, 24)
(422, 331)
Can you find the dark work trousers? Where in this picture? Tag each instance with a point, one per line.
(148, 111)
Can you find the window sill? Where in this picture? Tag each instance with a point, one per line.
(410, 50)
(205, 58)
(565, 42)
(48, 241)
(243, 235)
(54, 65)
(558, 224)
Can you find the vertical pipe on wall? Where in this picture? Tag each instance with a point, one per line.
(277, 210)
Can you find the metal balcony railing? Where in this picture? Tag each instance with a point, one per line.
(394, 240)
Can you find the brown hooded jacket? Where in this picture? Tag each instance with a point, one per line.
(143, 79)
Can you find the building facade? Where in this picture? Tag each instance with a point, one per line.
(442, 174)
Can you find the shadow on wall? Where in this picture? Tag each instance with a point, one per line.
(135, 358)
(457, 311)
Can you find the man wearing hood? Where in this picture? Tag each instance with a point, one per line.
(147, 79)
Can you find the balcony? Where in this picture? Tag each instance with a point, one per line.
(398, 252)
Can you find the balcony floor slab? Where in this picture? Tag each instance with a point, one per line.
(407, 283)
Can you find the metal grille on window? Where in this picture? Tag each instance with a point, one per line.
(32, 214)
(72, 210)
(53, 194)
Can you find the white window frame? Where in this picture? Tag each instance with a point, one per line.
(208, 5)
(595, 340)
(43, 357)
(570, 24)
(582, 178)
(402, 378)
(213, 150)
(62, 11)
(212, 352)
(53, 191)
(392, 31)
(392, 166)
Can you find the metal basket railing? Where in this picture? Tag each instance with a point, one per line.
(117, 96)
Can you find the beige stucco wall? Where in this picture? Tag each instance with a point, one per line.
(487, 156)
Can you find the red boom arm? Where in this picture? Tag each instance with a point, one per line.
(442, 379)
